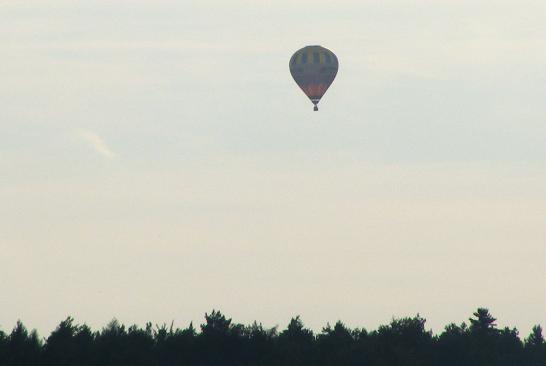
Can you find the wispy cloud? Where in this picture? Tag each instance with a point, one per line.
(97, 143)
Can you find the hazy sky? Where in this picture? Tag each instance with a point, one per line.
(157, 161)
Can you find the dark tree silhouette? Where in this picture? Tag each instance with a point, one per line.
(110, 345)
(535, 347)
(176, 347)
(489, 345)
(22, 348)
(259, 345)
(403, 342)
(3, 348)
(452, 345)
(221, 342)
(483, 322)
(296, 345)
(336, 346)
(535, 339)
(68, 344)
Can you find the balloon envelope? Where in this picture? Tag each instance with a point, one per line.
(314, 68)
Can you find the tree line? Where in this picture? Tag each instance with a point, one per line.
(222, 342)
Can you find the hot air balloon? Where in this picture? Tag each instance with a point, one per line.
(314, 68)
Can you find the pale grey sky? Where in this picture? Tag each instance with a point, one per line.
(158, 161)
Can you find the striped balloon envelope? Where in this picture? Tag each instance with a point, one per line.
(314, 68)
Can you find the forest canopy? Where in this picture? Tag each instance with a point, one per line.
(220, 341)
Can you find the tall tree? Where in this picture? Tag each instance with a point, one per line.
(483, 321)
(509, 347)
(483, 339)
(221, 341)
(259, 345)
(23, 348)
(178, 348)
(404, 341)
(60, 348)
(336, 345)
(110, 345)
(3, 348)
(452, 345)
(535, 339)
(535, 347)
(140, 346)
(296, 345)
